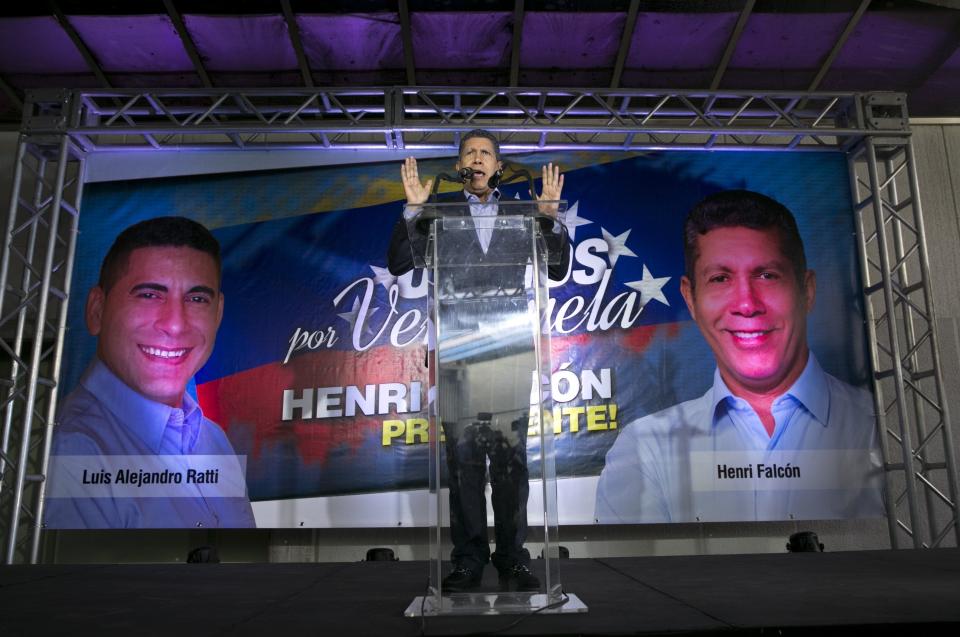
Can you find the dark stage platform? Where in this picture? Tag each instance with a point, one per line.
(887, 591)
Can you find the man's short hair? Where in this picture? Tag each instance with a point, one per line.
(479, 132)
(743, 208)
(159, 232)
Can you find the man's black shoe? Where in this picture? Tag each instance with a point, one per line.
(518, 578)
(461, 579)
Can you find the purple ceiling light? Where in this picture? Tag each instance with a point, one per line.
(887, 49)
(138, 44)
(569, 49)
(907, 46)
(242, 43)
(445, 40)
(357, 42)
(37, 45)
(570, 40)
(676, 49)
(789, 41)
(783, 51)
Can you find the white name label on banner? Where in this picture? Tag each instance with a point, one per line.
(781, 470)
(147, 476)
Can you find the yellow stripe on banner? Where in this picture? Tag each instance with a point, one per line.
(247, 197)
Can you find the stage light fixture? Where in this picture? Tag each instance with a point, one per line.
(381, 554)
(804, 542)
(562, 552)
(203, 555)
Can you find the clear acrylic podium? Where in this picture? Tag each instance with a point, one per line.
(491, 405)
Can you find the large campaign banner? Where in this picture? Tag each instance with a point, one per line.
(317, 378)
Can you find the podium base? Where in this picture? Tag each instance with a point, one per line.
(493, 604)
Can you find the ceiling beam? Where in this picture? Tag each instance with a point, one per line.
(838, 45)
(406, 37)
(80, 44)
(939, 59)
(187, 42)
(517, 40)
(294, 30)
(625, 39)
(732, 43)
(950, 4)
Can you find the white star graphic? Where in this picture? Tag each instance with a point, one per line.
(573, 221)
(383, 277)
(351, 316)
(650, 289)
(617, 246)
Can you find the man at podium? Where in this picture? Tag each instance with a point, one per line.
(496, 432)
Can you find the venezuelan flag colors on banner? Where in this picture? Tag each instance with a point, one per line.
(311, 308)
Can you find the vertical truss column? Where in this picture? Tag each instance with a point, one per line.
(35, 274)
(910, 399)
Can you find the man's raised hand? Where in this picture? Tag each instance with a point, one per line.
(551, 189)
(416, 192)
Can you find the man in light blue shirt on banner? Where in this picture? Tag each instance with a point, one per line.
(775, 437)
(132, 449)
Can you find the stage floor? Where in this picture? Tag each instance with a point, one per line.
(795, 593)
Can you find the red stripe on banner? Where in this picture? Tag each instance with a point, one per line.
(560, 346)
(636, 340)
(251, 402)
(639, 338)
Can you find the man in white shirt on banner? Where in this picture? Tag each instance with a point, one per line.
(775, 437)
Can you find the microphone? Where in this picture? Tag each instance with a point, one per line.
(466, 173)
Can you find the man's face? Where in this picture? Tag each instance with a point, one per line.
(751, 309)
(157, 324)
(479, 154)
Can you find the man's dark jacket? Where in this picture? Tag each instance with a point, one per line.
(400, 255)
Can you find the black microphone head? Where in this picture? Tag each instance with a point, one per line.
(494, 180)
(465, 173)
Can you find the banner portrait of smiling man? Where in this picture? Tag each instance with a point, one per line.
(775, 437)
(133, 449)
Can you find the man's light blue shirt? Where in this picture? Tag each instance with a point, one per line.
(479, 209)
(105, 417)
(709, 459)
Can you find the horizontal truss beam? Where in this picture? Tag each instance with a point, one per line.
(415, 118)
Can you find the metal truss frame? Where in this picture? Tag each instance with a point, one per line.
(35, 275)
(418, 118)
(909, 396)
(61, 128)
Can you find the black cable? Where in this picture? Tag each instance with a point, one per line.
(663, 592)
(423, 603)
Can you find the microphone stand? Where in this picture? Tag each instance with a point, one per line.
(516, 172)
(424, 221)
(455, 179)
